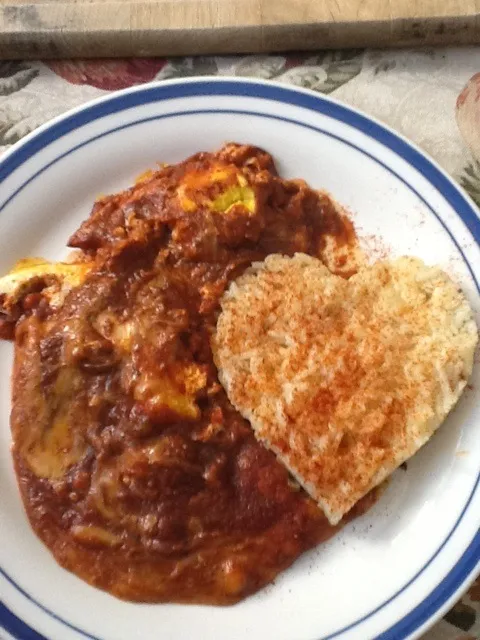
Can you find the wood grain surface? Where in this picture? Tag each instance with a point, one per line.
(89, 28)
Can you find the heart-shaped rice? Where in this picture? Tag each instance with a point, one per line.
(344, 379)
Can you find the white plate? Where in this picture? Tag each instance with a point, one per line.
(389, 574)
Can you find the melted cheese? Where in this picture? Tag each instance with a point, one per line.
(235, 196)
(52, 451)
(51, 456)
(95, 536)
(194, 190)
(59, 277)
(164, 394)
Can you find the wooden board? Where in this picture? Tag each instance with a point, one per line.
(88, 28)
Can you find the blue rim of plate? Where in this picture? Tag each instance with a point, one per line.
(121, 101)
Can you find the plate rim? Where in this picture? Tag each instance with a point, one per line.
(459, 577)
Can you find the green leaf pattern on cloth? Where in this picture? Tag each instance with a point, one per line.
(15, 76)
(21, 118)
(326, 71)
(9, 132)
(468, 120)
(264, 67)
(187, 67)
(470, 180)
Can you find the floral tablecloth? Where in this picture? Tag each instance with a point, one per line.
(432, 96)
